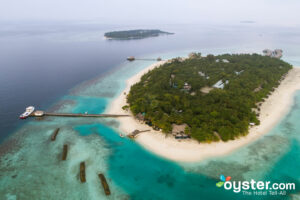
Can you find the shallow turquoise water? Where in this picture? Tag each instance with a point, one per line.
(33, 169)
(145, 176)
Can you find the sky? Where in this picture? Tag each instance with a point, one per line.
(284, 12)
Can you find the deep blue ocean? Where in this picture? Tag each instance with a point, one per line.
(70, 67)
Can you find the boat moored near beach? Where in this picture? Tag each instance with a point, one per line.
(29, 110)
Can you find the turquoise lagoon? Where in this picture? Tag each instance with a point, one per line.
(31, 166)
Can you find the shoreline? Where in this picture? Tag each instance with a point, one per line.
(272, 111)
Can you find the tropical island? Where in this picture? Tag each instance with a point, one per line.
(208, 98)
(269, 102)
(135, 34)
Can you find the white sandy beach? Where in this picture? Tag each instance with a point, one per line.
(272, 111)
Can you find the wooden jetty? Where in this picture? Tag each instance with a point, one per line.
(135, 133)
(53, 136)
(82, 172)
(82, 115)
(104, 184)
(132, 58)
(41, 113)
(65, 152)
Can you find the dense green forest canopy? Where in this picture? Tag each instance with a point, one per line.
(135, 34)
(216, 96)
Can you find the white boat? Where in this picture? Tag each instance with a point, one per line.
(29, 110)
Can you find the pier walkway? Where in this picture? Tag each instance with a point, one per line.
(82, 115)
(40, 113)
(132, 58)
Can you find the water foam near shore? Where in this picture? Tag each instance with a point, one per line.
(31, 168)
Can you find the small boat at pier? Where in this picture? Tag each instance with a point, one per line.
(29, 110)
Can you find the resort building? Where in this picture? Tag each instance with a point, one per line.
(178, 131)
(201, 73)
(140, 116)
(277, 53)
(131, 58)
(187, 87)
(194, 55)
(238, 73)
(220, 84)
(223, 60)
(267, 52)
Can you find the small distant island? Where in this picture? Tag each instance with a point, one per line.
(212, 98)
(135, 34)
(247, 22)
